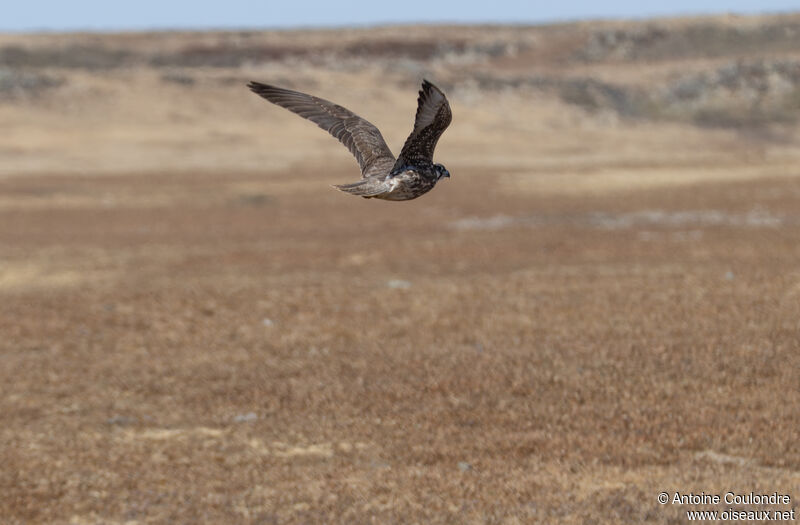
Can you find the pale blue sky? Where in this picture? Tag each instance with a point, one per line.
(61, 15)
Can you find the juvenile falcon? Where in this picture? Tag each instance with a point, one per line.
(408, 176)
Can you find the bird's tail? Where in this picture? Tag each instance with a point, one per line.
(364, 188)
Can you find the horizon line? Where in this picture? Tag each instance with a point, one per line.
(112, 29)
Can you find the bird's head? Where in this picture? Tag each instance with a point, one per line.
(441, 172)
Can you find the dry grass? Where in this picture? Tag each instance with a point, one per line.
(195, 328)
(556, 371)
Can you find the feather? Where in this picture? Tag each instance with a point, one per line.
(362, 138)
(433, 117)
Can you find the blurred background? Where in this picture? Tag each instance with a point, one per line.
(602, 303)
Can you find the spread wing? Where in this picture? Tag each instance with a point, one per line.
(362, 138)
(433, 117)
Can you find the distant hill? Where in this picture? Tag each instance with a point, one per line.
(725, 71)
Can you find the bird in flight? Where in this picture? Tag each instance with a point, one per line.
(410, 175)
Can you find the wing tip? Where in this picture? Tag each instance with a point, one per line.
(267, 90)
(258, 87)
(428, 86)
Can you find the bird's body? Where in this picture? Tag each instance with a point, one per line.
(383, 176)
(394, 186)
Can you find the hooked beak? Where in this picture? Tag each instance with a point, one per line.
(446, 174)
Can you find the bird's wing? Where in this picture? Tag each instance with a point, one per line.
(433, 117)
(362, 138)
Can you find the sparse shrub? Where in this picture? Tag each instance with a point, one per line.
(178, 78)
(14, 83)
(73, 57)
(706, 40)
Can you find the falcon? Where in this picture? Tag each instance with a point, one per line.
(411, 174)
